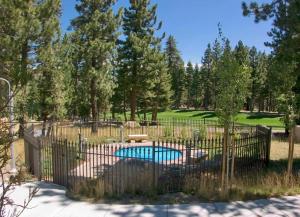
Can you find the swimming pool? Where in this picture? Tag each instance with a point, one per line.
(146, 153)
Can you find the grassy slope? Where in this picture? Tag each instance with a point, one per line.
(244, 118)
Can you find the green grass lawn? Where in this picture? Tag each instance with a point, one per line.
(268, 119)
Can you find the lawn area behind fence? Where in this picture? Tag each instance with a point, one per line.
(255, 118)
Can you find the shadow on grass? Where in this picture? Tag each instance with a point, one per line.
(206, 115)
(262, 115)
(184, 111)
(280, 166)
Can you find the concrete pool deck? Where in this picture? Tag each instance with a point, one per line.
(52, 202)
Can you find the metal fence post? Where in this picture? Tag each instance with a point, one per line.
(110, 127)
(40, 174)
(122, 134)
(80, 141)
(173, 125)
(153, 162)
(269, 140)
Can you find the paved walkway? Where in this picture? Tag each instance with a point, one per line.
(52, 202)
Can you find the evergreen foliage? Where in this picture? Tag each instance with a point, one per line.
(176, 70)
(96, 34)
(140, 57)
(95, 68)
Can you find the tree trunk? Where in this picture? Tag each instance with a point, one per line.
(44, 118)
(224, 183)
(24, 64)
(49, 128)
(132, 105)
(291, 151)
(94, 105)
(205, 100)
(154, 113)
(124, 106)
(22, 123)
(113, 114)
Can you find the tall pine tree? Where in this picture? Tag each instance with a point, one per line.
(207, 77)
(49, 74)
(176, 70)
(188, 84)
(139, 26)
(96, 29)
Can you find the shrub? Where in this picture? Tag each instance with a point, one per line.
(183, 133)
(167, 132)
(202, 132)
(90, 189)
(253, 186)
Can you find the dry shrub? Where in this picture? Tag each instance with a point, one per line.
(266, 185)
(130, 177)
(125, 177)
(94, 188)
(253, 186)
(204, 187)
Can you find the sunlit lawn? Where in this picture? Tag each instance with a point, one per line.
(268, 119)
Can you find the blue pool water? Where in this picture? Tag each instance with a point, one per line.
(146, 153)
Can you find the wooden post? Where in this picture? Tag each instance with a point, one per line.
(227, 163)
(224, 160)
(291, 151)
(232, 158)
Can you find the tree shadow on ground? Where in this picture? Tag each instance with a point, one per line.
(280, 166)
(206, 115)
(262, 115)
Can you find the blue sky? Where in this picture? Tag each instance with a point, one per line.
(194, 23)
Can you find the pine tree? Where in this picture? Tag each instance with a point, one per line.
(161, 87)
(78, 90)
(197, 86)
(207, 77)
(241, 53)
(216, 56)
(176, 70)
(49, 78)
(96, 29)
(19, 31)
(188, 83)
(284, 34)
(139, 26)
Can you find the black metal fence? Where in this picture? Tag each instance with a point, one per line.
(159, 166)
(116, 131)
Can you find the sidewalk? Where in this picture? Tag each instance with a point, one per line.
(52, 202)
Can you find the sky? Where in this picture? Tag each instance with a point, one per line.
(193, 23)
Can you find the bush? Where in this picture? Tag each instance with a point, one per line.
(183, 133)
(251, 187)
(167, 132)
(202, 132)
(90, 189)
